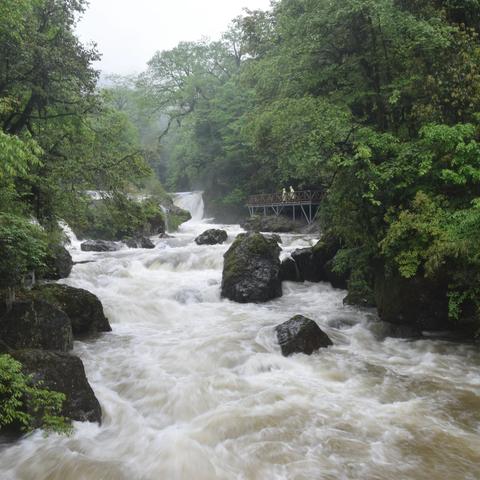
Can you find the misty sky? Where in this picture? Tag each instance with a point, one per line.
(129, 32)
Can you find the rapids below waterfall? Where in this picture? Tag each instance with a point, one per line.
(193, 387)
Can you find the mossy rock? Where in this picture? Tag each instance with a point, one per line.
(63, 373)
(32, 323)
(83, 308)
(251, 270)
(58, 263)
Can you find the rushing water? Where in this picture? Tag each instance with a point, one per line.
(195, 388)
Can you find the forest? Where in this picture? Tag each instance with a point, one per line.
(374, 102)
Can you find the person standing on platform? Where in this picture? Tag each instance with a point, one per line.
(292, 193)
(284, 195)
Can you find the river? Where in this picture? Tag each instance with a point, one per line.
(194, 387)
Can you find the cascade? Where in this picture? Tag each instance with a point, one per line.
(195, 387)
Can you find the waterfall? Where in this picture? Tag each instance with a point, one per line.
(192, 202)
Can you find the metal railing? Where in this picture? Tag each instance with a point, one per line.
(298, 198)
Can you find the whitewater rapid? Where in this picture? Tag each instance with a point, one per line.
(194, 387)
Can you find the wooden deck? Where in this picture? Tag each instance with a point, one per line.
(300, 204)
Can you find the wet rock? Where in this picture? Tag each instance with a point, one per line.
(315, 264)
(83, 308)
(36, 324)
(289, 271)
(278, 224)
(362, 298)
(177, 216)
(275, 236)
(212, 237)
(99, 246)
(301, 335)
(58, 263)
(63, 373)
(251, 269)
(415, 301)
(165, 235)
(139, 242)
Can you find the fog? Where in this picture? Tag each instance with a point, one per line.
(128, 32)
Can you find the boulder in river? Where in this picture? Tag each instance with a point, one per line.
(301, 335)
(289, 271)
(280, 224)
(83, 308)
(212, 236)
(139, 242)
(99, 246)
(251, 269)
(63, 373)
(58, 263)
(36, 324)
(315, 264)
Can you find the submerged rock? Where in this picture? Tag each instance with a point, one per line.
(301, 335)
(83, 308)
(36, 324)
(213, 236)
(188, 296)
(58, 263)
(251, 269)
(99, 246)
(63, 373)
(278, 224)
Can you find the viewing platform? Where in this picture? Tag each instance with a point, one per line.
(300, 204)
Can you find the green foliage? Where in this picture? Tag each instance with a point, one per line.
(22, 246)
(116, 217)
(24, 403)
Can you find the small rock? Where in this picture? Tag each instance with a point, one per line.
(301, 335)
(99, 246)
(139, 242)
(212, 237)
(145, 242)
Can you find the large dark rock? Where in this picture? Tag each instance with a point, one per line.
(99, 246)
(251, 269)
(58, 263)
(155, 225)
(301, 335)
(278, 224)
(289, 271)
(212, 237)
(416, 301)
(36, 324)
(63, 373)
(83, 308)
(139, 242)
(315, 264)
